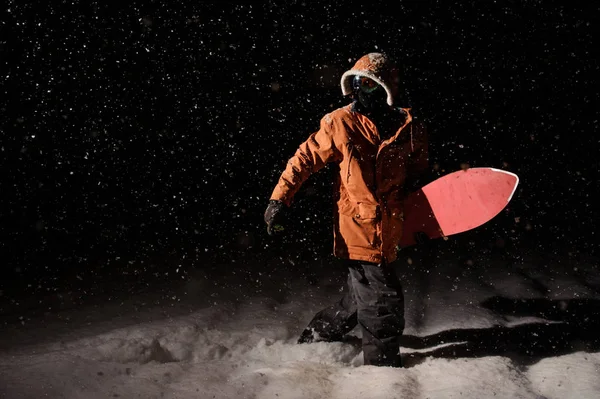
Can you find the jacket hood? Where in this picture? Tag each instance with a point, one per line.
(376, 66)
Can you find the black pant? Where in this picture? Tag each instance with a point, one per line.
(376, 302)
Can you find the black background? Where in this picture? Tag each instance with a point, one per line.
(142, 141)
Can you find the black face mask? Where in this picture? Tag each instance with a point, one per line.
(369, 93)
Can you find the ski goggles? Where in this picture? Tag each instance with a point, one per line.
(364, 84)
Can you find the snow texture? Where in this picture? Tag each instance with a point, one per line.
(495, 330)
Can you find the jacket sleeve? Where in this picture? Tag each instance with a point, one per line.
(418, 173)
(310, 157)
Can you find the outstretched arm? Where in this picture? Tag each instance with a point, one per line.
(311, 156)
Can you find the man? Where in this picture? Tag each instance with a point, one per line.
(380, 151)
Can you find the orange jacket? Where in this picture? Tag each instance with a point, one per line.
(370, 185)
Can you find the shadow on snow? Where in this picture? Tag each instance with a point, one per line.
(572, 326)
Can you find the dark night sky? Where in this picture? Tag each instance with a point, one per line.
(150, 135)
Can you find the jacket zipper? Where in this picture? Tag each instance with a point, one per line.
(350, 156)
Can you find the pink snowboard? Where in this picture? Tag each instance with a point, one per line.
(457, 202)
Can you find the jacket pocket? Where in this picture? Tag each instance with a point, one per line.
(361, 211)
(368, 212)
(359, 226)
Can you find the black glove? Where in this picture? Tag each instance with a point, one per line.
(274, 216)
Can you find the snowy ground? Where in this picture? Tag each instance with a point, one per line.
(521, 330)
